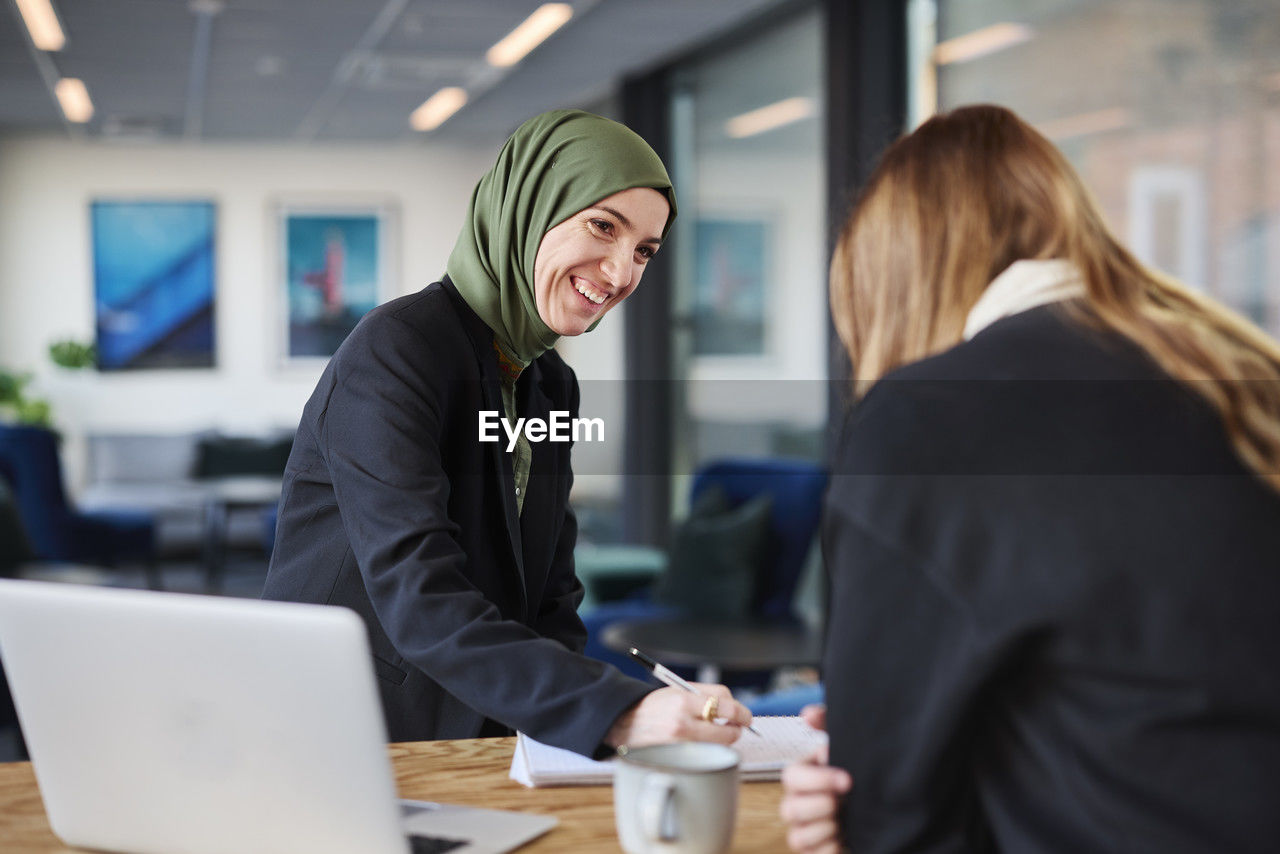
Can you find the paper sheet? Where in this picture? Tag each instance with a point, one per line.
(782, 740)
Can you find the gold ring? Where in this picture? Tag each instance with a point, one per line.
(710, 708)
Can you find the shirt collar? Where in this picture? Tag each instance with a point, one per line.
(1022, 286)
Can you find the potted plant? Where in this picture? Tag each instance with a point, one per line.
(73, 355)
(15, 404)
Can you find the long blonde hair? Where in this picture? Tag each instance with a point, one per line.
(969, 192)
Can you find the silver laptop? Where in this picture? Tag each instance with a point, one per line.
(182, 724)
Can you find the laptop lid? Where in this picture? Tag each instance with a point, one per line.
(183, 724)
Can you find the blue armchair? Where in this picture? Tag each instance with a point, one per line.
(797, 488)
(57, 532)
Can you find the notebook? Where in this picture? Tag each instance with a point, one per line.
(165, 722)
(782, 740)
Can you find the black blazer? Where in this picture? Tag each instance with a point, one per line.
(1055, 610)
(394, 508)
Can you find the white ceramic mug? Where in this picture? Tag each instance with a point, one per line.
(676, 798)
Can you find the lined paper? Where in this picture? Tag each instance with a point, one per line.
(782, 740)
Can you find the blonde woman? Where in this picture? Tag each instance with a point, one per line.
(1053, 530)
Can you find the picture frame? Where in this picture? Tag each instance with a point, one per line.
(730, 297)
(334, 263)
(154, 282)
(1168, 221)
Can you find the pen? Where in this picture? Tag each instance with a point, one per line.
(662, 674)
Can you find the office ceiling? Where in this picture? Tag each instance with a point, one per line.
(332, 70)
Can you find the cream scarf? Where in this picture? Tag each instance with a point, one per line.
(1024, 285)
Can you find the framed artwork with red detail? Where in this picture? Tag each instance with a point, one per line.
(731, 287)
(335, 264)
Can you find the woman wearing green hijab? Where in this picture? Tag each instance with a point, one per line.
(458, 553)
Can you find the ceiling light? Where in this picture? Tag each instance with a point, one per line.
(42, 24)
(981, 42)
(437, 109)
(545, 20)
(74, 100)
(1083, 124)
(767, 118)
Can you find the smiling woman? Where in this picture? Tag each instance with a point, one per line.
(457, 548)
(593, 260)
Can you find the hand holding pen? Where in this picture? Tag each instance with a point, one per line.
(678, 713)
(709, 709)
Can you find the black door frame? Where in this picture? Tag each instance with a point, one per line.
(865, 109)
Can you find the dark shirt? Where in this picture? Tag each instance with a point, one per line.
(1055, 607)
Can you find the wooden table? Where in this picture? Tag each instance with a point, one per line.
(470, 771)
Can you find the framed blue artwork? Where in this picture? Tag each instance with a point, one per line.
(333, 269)
(153, 279)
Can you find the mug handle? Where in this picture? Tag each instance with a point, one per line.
(657, 808)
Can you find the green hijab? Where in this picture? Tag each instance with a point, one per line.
(553, 166)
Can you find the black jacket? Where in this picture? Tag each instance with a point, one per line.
(1055, 610)
(394, 508)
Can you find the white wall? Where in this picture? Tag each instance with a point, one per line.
(46, 282)
(599, 360)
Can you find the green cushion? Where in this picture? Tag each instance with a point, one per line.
(717, 557)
